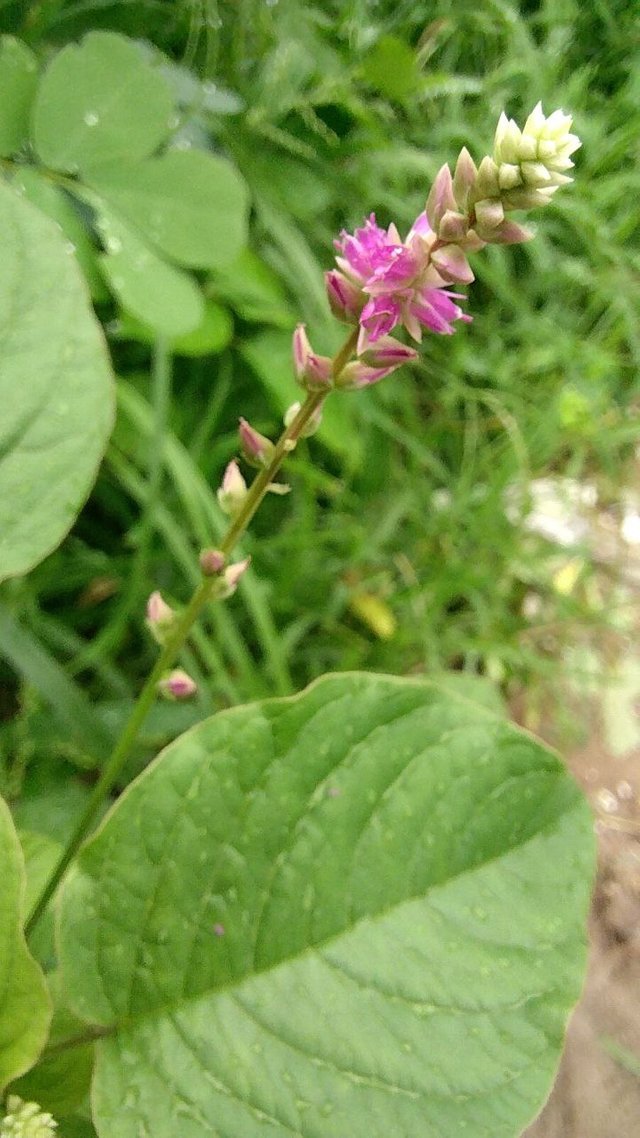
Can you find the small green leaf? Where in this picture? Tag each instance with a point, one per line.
(57, 204)
(56, 388)
(60, 1081)
(25, 1009)
(190, 205)
(356, 912)
(18, 81)
(212, 335)
(160, 295)
(100, 101)
(392, 68)
(254, 291)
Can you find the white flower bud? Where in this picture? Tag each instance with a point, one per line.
(533, 159)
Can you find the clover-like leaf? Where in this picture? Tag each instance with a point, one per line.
(98, 101)
(355, 912)
(18, 81)
(192, 206)
(159, 294)
(25, 1008)
(56, 388)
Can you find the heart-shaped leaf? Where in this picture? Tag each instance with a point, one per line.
(25, 1009)
(355, 912)
(97, 101)
(56, 388)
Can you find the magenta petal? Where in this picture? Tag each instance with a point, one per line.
(420, 227)
(379, 316)
(434, 308)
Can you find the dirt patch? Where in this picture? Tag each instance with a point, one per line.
(597, 1090)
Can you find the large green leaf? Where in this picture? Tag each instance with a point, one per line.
(56, 388)
(18, 80)
(192, 206)
(100, 100)
(355, 912)
(25, 1010)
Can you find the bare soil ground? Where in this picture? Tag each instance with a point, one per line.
(597, 1090)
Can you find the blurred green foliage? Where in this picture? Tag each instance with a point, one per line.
(394, 551)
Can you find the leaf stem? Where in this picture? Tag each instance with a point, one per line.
(202, 595)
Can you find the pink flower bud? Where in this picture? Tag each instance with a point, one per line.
(358, 374)
(233, 573)
(452, 263)
(256, 449)
(212, 562)
(229, 579)
(313, 372)
(233, 491)
(453, 226)
(345, 298)
(160, 617)
(177, 685)
(440, 198)
(510, 233)
(388, 352)
(301, 351)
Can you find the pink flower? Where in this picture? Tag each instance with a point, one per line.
(402, 282)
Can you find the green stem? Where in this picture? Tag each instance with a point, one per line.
(202, 595)
(89, 1036)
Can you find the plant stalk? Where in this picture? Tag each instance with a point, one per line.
(202, 595)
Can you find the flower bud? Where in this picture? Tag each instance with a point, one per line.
(177, 685)
(487, 184)
(489, 214)
(26, 1120)
(358, 374)
(346, 300)
(312, 372)
(231, 577)
(540, 153)
(453, 226)
(388, 352)
(464, 179)
(451, 262)
(510, 233)
(233, 491)
(256, 449)
(310, 427)
(440, 198)
(211, 562)
(160, 617)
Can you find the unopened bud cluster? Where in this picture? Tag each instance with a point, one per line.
(26, 1120)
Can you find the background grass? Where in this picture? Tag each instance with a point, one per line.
(394, 551)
